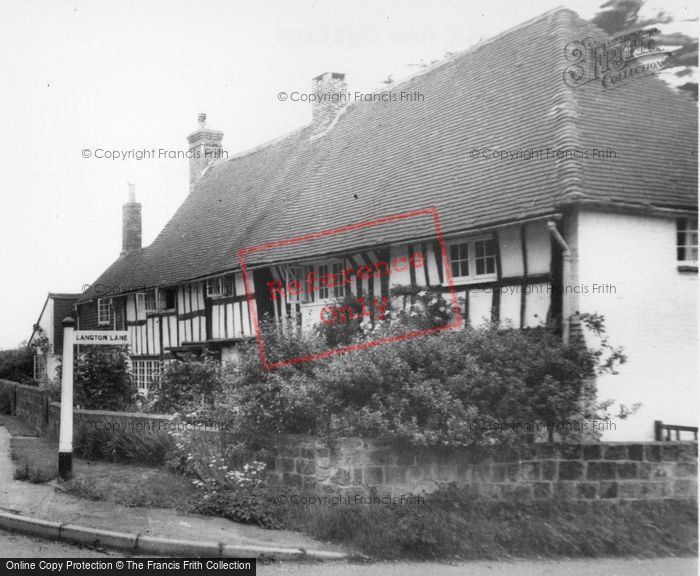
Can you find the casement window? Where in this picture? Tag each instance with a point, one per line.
(296, 274)
(140, 304)
(323, 291)
(104, 311)
(473, 259)
(339, 288)
(220, 287)
(144, 372)
(318, 281)
(39, 367)
(166, 299)
(214, 287)
(159, 299)
(150, 301)
(687, 241)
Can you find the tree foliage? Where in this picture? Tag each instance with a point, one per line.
(622, 16)
(101, 380)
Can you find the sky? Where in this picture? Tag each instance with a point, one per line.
(133, 75)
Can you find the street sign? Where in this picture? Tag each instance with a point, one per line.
(101, 337)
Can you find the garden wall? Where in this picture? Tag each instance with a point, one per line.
(608, 471)
(649, 470)
(28, 403)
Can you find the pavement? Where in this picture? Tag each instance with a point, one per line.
(45, 511)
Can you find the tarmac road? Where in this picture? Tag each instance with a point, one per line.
(18, 546)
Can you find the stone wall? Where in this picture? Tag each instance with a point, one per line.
(649, 470)
(28, 403)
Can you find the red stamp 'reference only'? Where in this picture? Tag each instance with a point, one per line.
(308, 283)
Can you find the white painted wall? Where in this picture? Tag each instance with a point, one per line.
(653, 315)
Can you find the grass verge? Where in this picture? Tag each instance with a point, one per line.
(452, 525)
(36, 461)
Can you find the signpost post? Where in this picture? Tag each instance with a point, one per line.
(65, 434)
(71, 337)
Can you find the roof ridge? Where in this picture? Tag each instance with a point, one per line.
(479, 44)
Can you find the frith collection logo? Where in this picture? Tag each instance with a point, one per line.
(613, 62)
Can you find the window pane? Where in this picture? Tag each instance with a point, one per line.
(480, 266)
(322, 290)
(339, 288)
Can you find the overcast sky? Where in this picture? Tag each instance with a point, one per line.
(122, 75)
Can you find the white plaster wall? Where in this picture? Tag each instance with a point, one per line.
(652, 314)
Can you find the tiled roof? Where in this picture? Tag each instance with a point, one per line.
(383, 158)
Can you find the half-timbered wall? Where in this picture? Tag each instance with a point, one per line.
(518, 293)
(196, 319)
(191, 313)
(230, 315)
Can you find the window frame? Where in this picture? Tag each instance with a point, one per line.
(101, 321)
(154, 302)
(330, 292)
(209, 284)
(472, 277)
(161, 300)
(143, 372)
(686, 227)
(225, 286)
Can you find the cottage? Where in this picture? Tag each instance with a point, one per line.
(489, 146)
(47, 334)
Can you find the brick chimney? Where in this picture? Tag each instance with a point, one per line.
(205, 146)
(131, 223)
(332, 91)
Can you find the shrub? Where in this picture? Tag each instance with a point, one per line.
(101, 380)
(17, 365)
(256, 402)
(475, 387)
(186, 386)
